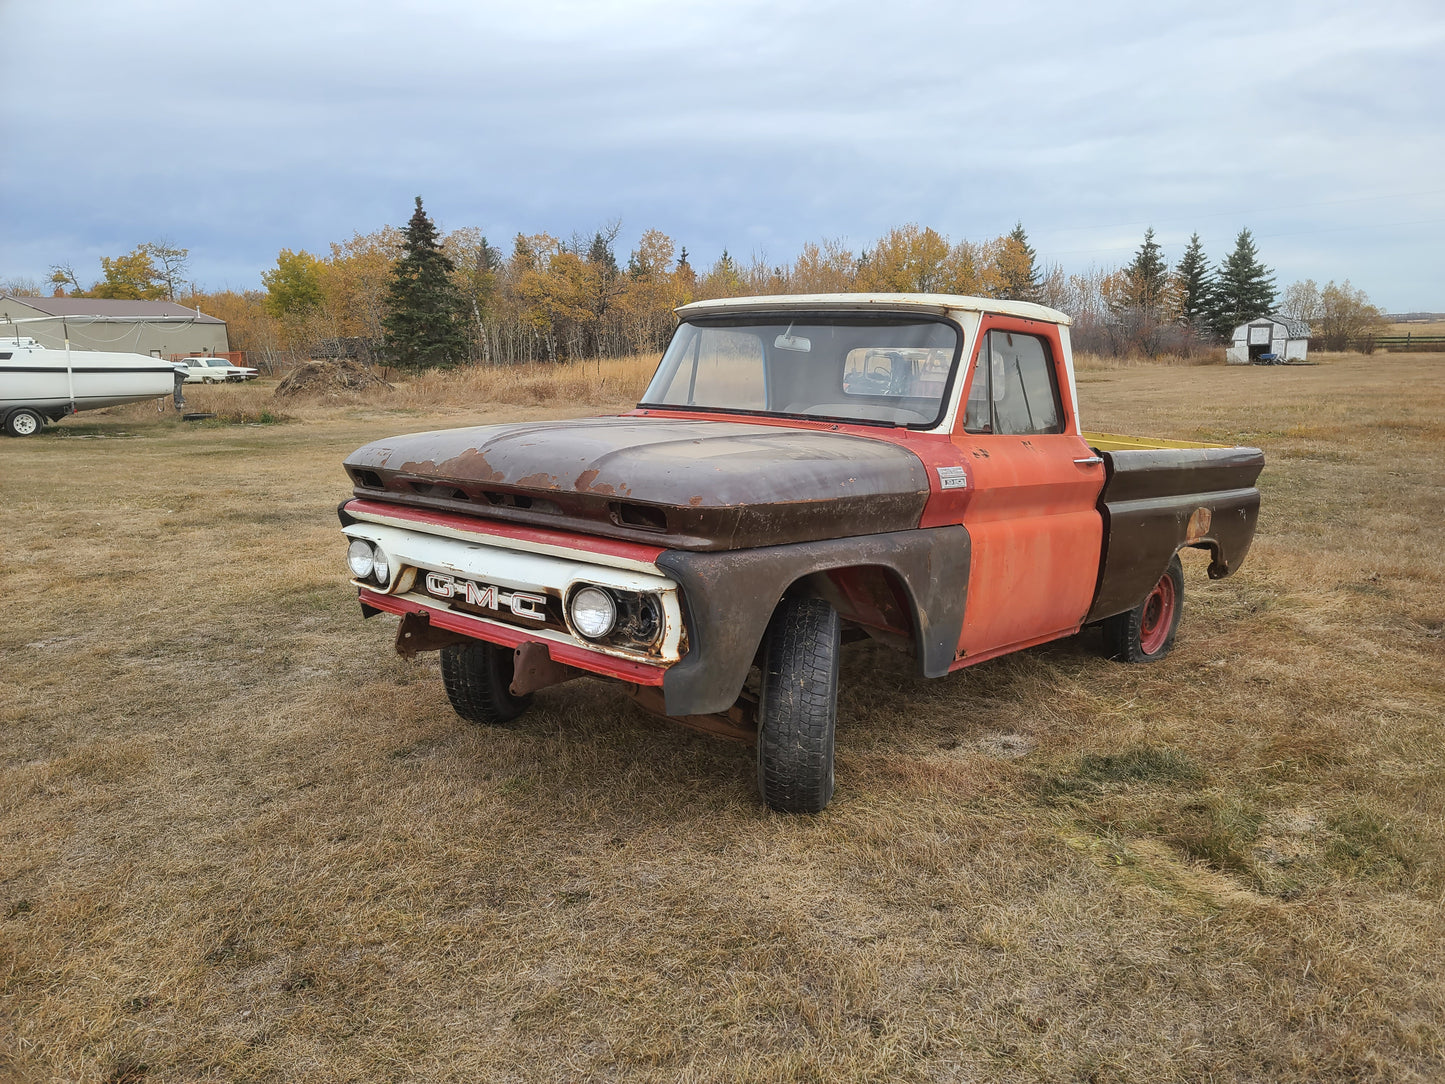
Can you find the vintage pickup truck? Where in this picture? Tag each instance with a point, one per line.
(802, 471)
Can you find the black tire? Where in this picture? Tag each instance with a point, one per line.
(478, 680)
(1146, 633)
(23, 422)
(798, 706)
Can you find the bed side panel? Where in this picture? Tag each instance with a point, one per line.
(1157, 501)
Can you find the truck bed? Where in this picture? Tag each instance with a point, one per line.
(1160, 495)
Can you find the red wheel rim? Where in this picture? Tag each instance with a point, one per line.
(1158, 616)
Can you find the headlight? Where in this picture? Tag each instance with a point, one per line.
(381, 567)
(593, 612)
(359, 558)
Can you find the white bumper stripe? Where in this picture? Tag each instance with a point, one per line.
(520, 570)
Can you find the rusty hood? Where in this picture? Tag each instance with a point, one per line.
(677, 482)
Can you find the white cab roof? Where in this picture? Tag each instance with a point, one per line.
(940, 304)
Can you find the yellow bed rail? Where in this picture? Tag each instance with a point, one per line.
(1117, 442)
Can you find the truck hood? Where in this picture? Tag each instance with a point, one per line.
(673, 482)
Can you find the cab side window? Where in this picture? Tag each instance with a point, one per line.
(1014, 389)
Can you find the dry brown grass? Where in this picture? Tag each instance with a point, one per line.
(241, 840)
(1084, 362)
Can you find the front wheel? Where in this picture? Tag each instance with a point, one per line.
(478, 680)
(798, 706)
(24, 422)
(1146, 633)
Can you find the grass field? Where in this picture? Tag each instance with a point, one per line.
(241, 840)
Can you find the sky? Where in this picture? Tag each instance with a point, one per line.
(239, 129)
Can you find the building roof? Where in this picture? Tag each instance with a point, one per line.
(935, 303)
(1294, 329)
(107, 309)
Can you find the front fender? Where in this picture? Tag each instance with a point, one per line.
(729, 597)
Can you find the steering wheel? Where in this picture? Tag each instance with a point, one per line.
(874, 383)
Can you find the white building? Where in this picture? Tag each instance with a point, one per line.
(1269, 340)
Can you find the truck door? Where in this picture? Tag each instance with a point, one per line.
(1032, 518)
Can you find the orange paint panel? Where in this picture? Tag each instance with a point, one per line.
(1026, 579)
(1033, 522)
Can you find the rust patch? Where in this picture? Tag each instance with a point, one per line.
(470, 464)
(587, 483)
(415, 634)
(540, 480)
(1199, 524)
(739, 723)
(533, 668)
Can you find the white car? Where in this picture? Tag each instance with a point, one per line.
(215, 371)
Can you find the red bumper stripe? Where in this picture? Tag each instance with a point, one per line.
(505, 635)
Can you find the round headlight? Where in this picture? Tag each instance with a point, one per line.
(593, 612)
(381, 567)
(359, 558)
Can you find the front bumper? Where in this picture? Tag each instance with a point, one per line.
(498, 564)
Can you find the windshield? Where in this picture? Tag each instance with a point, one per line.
(874, 368)
(218, 363)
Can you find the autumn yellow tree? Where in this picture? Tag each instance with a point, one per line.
(1345, 314)
(652, 290)
(906, 259)
(354, 281)
(551, 292)
(477, 272)
(294, 297)
(293, 286)
(133, 277)
(826, 268)
(722, 279)
(250, 327)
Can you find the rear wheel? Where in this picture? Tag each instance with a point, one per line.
(24, 422)
(798, 706)
(478, 680)
(1146, 633)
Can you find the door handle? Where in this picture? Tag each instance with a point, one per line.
(1089, 461)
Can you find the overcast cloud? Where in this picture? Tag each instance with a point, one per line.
(239, 129)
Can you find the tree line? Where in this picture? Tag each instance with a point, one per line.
(417, 297)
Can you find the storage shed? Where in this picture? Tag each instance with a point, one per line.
(1270, 340)
(158, 328)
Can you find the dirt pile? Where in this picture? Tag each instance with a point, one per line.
(330, 378)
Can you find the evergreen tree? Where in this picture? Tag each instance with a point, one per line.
(1148, 277)
(1243, 289)
(686, 276)
(600, 254)
(1018, 275)
(423, 306)
(1196, 286)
